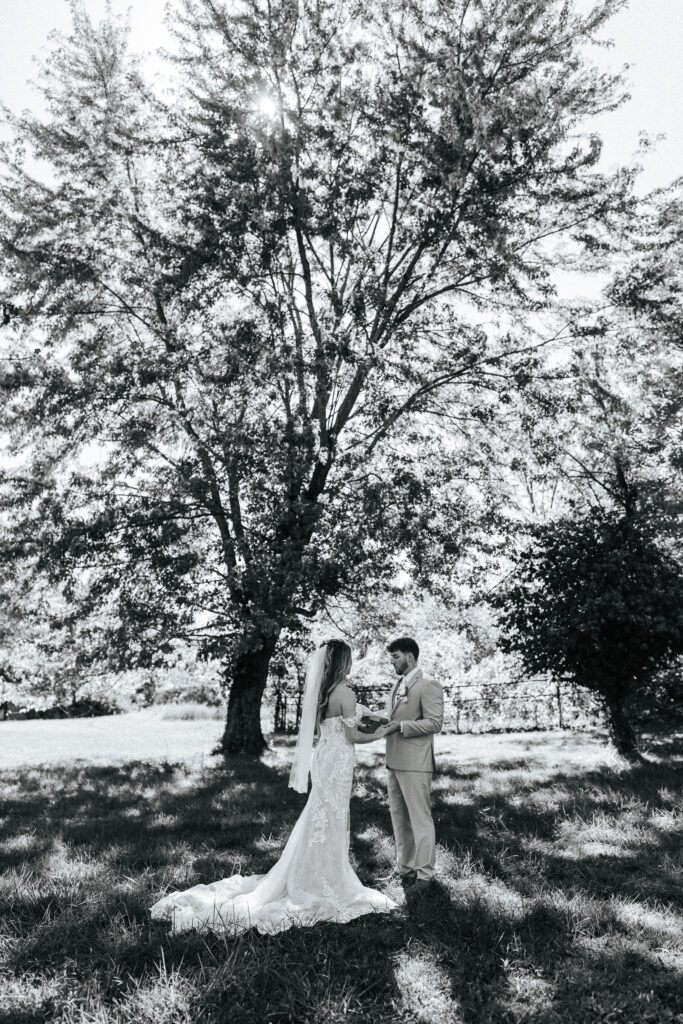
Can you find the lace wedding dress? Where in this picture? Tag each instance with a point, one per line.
(313, 879)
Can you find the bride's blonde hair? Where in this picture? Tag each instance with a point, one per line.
(336, 667)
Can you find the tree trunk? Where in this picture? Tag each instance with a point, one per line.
(249, 676)
(623, 733)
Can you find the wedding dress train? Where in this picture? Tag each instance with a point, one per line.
(312, 881)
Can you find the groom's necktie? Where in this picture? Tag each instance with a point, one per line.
(396, 693)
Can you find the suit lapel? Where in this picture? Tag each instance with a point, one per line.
(390, 706)
(391, 709)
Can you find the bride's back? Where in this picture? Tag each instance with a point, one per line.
(342, 701)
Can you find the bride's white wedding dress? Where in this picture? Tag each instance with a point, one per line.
(313, 879)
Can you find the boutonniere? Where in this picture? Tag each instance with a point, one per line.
(403, 692)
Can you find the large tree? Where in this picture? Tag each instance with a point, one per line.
(245, 369)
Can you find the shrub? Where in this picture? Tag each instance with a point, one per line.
(595, 599)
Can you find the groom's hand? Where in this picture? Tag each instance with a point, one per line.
(376, 716)
(384, 730)
(391, 727)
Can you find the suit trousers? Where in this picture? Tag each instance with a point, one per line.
(411, 816)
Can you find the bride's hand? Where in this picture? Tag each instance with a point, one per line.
(376, 716)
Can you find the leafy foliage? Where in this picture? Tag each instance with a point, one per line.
(246, 371)
(595, 599)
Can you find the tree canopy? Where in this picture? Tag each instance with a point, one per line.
(244, 363)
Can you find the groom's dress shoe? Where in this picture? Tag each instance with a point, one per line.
(420, 887)
(404, 877)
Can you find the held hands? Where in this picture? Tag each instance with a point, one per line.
(376, 723)
(376, 716)
(386, 730)
(370, 720)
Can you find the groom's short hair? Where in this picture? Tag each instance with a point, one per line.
(406, 645)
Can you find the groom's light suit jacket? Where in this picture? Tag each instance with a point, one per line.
(412, 748)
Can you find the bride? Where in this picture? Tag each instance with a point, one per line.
(313, 879)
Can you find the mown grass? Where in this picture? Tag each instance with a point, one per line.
(559, 897)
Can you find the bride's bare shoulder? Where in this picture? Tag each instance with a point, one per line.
(345, 690)
(342, 699)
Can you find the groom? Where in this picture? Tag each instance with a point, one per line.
(415, 712)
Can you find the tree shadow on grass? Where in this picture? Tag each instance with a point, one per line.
(136, 809)
(597, 830)
(19, 1015)
(329, 972)
(84, 847)
(505, 936)
(526, 963)
(529, 922)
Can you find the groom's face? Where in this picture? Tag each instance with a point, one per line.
(400, 663)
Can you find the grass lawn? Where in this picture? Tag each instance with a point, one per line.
(559, 900)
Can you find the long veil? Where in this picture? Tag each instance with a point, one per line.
(303, 752)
